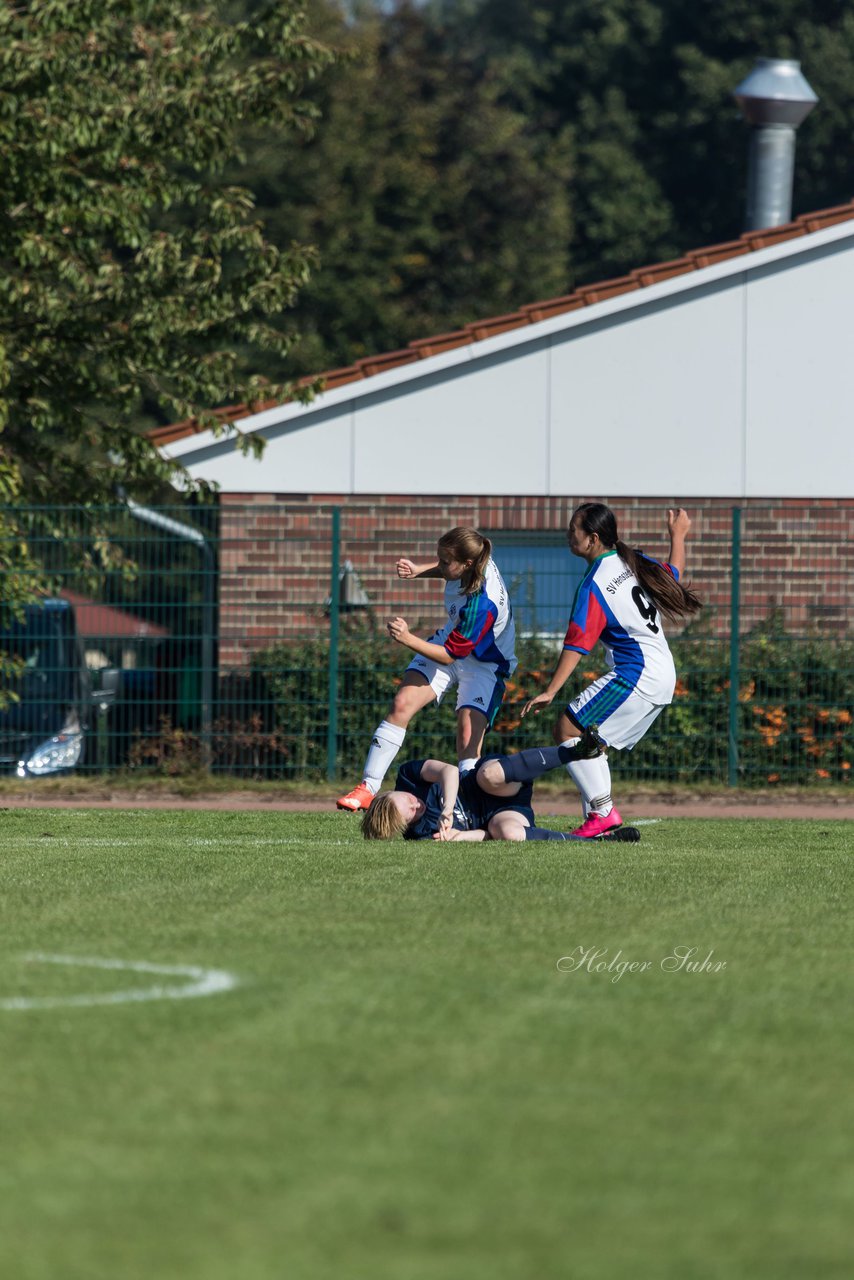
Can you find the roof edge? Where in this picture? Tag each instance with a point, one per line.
(533, 313)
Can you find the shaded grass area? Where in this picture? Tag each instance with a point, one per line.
(405, 1085)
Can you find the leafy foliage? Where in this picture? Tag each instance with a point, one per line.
(135, 283)
(130, 272)
(477, 155)
(794, 701)
(432, 198)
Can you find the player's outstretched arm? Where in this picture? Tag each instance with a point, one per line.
(409, 569)
(567, 663)
(678, 524)
(398, 629)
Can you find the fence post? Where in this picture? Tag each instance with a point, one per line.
(334, 612)
(734, 648)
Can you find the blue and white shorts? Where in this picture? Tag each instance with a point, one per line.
(622, 714)
(478, 684)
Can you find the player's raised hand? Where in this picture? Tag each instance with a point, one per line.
(536, 704)
(406, 568)
(398, 629)
(678, 521)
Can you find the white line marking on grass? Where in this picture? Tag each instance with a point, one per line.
(644, 822)
(99, 842)
(201, 982)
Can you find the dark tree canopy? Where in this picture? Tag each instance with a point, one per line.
(476, 155)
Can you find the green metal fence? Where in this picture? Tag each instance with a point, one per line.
(248, 637)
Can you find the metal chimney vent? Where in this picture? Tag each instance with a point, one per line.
(774, 98)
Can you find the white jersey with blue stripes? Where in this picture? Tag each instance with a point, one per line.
(610, 605)
(480, 626)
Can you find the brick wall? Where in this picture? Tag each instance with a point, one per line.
(797, 557)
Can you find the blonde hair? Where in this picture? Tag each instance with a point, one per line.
(464, 543)
(383, 820)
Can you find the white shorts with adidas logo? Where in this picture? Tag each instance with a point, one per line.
(478, 684)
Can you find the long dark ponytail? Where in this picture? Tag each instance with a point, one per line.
(675, 599)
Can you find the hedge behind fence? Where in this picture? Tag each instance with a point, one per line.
(794, 708)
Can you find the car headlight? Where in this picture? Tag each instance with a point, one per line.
(62, 751)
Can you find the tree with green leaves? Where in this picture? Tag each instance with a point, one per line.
(131, 273)
(644, 89)
(432, 199)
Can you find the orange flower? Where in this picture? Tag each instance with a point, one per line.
(773, 777)
(845, 765)
(822, 773)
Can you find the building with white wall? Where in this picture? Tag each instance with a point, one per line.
(725, 374)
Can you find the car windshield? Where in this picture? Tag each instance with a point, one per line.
(38, 647)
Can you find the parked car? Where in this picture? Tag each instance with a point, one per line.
(47, 727)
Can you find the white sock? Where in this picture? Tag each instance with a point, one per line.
(585, 807)
(593, 779)
(385, 744)
(466, 766)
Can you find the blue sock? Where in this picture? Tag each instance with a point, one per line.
(542, 833)
(526, 765)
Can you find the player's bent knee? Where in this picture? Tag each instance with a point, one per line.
(490, 775)
(408, 700)
(507, 826)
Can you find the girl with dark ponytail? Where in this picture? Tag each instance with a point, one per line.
(620, 601)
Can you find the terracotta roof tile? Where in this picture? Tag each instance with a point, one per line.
(662, 271)
(440, 342)
(192, 426)
(715, 253)
(387, 360)
(591, 293)
(532, 313)
(821, 218)
(337, 377)
(769, 236)
(480, 329)
(536, 311)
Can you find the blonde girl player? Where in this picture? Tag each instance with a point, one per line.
(491, 802)
(619, 601)
(474, 650)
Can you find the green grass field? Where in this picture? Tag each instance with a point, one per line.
(404, 1084)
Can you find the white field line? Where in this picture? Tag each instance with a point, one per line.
(105, 842)
(201, 982)
(644, 822)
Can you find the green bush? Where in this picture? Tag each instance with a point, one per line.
(794, 707)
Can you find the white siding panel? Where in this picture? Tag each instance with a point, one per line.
(800, 402)
(737, 382)
(650, 401)
(311, 454)
(477, 428)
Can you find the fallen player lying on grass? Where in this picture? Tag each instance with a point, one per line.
(492, 802)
